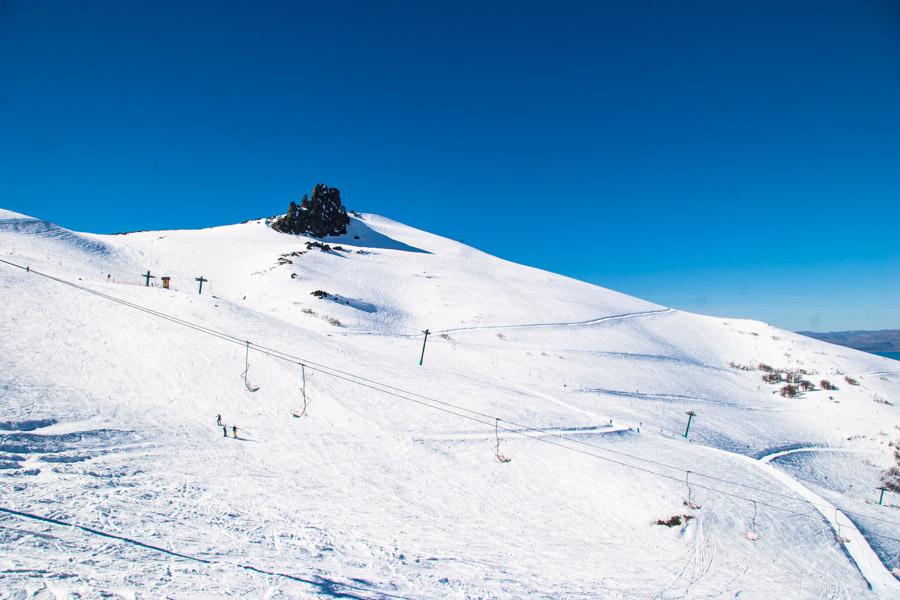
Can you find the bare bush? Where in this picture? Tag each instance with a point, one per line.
(793, 376)
(789, 391)
(850, 380)
(827, 385)
(740, 367)
(773, 377)
(674, 520)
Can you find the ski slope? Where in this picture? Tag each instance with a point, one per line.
(116, 480)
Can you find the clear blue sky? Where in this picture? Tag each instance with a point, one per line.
(740, 159)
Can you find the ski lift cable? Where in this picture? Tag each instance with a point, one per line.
(327, 370)
(331, 370)
(322, 368)
(351, 377)
(520, 429)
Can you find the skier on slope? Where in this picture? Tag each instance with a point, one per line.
(224, 431)
(234, 431)
(219, 420)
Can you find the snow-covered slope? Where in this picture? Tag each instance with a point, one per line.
(108, 424)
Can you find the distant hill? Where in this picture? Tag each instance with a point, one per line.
(883, 340)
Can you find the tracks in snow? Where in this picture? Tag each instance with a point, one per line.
(880, 579)
(322, 585)
(595, 321)
(506, 434)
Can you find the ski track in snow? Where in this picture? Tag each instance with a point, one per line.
(326, 587)
(881, 580)
(595, 321)
(564, 432)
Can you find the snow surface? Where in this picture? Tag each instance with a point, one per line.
(116, 481)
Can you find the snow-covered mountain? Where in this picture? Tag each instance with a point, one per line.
(117, 481)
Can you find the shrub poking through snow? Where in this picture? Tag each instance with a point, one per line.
(793, 376)
(827, 385)
(674, 520)
(806, 385)
(321, 294)
(319, 245)
(333, 321)
(850, 380)
(764, 368)
(773, 377)
(890, 477)
(789, 391)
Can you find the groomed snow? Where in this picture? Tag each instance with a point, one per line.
(115, 479)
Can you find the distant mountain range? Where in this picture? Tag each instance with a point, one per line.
(883, 340)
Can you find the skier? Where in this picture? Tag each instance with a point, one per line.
(219, 420)
(234, 431)
(224, 431)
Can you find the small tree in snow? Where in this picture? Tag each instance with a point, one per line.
(788, 391)
(773, 377)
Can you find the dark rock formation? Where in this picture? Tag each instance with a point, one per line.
(320, 216)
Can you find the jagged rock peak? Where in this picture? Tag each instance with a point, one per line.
(319, 216)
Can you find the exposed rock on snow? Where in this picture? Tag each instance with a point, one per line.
(321, 216)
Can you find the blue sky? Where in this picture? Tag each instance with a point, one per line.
(740, 159)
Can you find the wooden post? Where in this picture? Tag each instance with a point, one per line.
(201, 280)
(691, 414)
(425, 341)
(147, 277)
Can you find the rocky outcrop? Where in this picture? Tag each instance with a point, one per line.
(320, 216)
